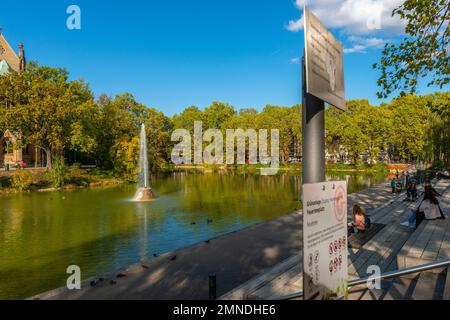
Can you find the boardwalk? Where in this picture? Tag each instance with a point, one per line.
(383, 250)
(234, 258)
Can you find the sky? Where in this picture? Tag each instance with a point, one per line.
(174, 54)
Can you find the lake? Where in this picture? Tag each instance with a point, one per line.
(101, 230)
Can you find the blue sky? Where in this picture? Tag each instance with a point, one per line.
(173, 54)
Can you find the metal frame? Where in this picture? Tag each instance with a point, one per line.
(387, 275)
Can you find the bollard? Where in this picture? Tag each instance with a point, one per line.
(212, 287)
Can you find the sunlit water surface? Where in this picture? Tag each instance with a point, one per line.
(101, 230)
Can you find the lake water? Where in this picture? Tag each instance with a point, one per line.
(101, 230)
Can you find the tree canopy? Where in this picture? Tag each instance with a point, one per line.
(64, 118)
(424, 52)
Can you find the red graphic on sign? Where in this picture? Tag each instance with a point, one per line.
(340, 204)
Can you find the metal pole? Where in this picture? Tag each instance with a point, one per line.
(313, 135)
(212, 287)
(313, 140)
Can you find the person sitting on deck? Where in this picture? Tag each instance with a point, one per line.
(411, 192)
(427, 186)
(360, 221)
(428, 209)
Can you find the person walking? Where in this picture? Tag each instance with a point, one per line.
(393, 185)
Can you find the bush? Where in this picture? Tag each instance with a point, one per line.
(76, 165)
(22, 180)
(57, 174)
(125, 159)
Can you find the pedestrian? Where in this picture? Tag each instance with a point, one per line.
(413, 191)
(393, 185)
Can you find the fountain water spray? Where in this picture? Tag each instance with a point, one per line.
(144, 192)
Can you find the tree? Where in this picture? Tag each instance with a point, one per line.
(159, 128)
(374, 123)
(410, 114)
(217, 114)
(186, 119)
(45, 109)
(424, 52)
(288, 122)
(437, 136)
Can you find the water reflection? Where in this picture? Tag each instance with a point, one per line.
(41, 234)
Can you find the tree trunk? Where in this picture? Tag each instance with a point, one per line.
(49, 158)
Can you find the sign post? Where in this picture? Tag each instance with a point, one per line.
(324, 204)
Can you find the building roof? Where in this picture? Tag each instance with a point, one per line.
(8, 54)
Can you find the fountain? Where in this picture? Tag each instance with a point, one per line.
(144, 192)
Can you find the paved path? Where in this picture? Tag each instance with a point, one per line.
(234, 258)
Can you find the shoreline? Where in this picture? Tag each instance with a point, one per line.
(101, 182)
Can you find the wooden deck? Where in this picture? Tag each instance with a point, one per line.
(382, 250)
(430, 242)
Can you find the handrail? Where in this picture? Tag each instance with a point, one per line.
(387, 275)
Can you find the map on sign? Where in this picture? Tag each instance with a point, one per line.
(324, 62)
(325, 242)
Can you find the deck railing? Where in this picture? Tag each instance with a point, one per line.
(387, 275)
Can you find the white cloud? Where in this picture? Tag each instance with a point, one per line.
(295, 60)
(362, 44)
(354, 16)
(295, 25)
(363, 22)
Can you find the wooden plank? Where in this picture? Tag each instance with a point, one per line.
(391, 253)
(444, 251)
(434, 245)
(403, 253)
(257, 282)
(375, 245)
(430, 286)
(446, 295)
(419, 245)
(279, 286)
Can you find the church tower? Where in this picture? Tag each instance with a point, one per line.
(22, 59)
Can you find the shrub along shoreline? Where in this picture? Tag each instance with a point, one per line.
(70, 178)
(41, 180)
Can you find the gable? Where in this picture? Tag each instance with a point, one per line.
(8, 54)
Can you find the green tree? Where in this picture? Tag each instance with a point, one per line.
(437, 136)
(423, 53)
(217, 114)
(44, 108)
(409, 114)
(159, 129)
